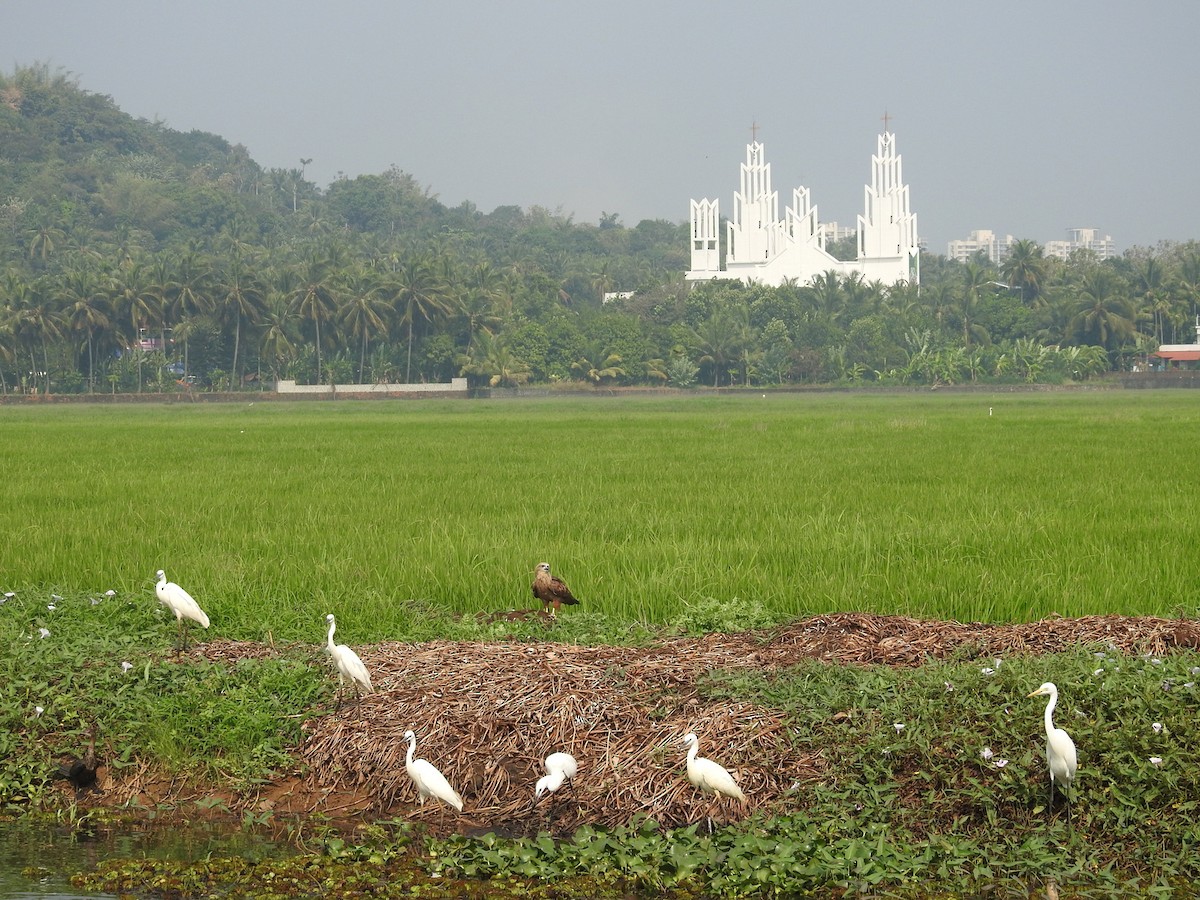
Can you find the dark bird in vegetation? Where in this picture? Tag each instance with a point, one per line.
(81, 771)
(179, 602)
(552, 591)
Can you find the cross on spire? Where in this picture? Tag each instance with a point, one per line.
(886, 119)
(754, 131)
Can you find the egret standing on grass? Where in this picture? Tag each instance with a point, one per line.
(179, 602)
(708, 776)
(1060, 749)
(349, 666)
(560, 767)
(429, 781)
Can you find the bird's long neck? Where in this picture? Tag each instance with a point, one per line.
(329, 640)
(412, 748)
(1050, 713)
(693, 749)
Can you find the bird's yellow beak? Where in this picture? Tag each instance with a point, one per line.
(1036, 693)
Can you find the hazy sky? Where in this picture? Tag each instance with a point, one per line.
(1026, 117)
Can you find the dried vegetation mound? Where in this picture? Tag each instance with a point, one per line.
(487, 714)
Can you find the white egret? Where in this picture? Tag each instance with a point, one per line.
(429, 781)
(710, 777)
(560, 767)
(179, 602)
(1060, 749)
(349, 666)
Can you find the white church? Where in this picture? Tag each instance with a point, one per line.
(762, 248)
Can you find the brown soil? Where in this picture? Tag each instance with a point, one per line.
(487, 714)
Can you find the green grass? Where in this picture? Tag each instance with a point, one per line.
(272, 514)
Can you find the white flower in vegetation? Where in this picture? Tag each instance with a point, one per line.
(51, 607)
(988, 670)
(1157, 727)
(37, 710)
(126, 666)
(899, 726)
(44, 632)
(1156, 761)
(110, 593)
(1000, 763)
(986, 753)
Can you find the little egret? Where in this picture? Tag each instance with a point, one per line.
(179, 602)
(560, 767)
(710, 777)
(349, 666)
(551, 590)
(1060, 749)
(429, 781)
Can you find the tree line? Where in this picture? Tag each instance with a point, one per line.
(138, 258)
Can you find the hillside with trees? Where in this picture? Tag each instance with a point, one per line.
(139, 258)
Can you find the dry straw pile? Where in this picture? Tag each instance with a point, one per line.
(487, 714)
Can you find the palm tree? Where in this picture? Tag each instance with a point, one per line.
(277, 344)
(87, 311)
(721, 337)
(364, 313)
(1026, 268)
(975, 277)
(315, 298)
(1149, 282)
(495, 361)
(420, 298)
(1101, 317)
(598, 364)
(35, 322)
(242, 297)
(485, 291)
(193, 282)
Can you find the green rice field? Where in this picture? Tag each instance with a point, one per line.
(702, 511)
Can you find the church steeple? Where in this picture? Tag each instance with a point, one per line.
(762, 247)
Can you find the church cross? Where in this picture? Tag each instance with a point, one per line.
(754, 132)
(886, 119)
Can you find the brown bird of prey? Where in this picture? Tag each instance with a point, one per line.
(551, 590)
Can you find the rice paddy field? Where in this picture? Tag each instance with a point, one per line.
(885, 750)
(746, 509)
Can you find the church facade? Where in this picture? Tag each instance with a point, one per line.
(761, 247)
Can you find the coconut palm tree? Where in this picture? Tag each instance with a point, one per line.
(277, 344)
(1102, 316)
(242, 299)
(420, 299)
(364, 313)
(87, 310)
(315, 298)
(1026, 268)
